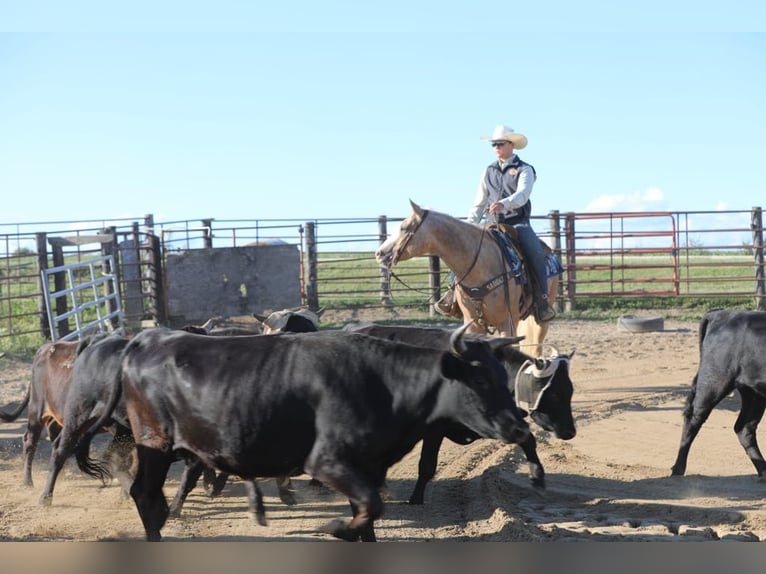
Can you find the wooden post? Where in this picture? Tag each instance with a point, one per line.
(385, 274)
(312, 292)
(42, 264)
(756, 218)
(208, 238)
(571, 262)
(555, 224)
(157, 283)
(59, 284)
(110, 248)
(434, 277)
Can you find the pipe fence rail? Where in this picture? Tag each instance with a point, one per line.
(614, 256)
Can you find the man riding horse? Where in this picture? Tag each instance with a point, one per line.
(503, 196)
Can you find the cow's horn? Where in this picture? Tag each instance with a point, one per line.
(456, 343)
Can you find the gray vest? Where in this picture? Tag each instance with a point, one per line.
(503, 183)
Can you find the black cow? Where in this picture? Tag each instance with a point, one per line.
(293, 320)
(89, 375)
(341, 407)
(543, 385)
(731, 344)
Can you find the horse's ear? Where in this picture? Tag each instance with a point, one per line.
(416, 208)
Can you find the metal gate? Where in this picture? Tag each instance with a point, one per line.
(94, 297)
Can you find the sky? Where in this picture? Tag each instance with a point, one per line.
(243, 110)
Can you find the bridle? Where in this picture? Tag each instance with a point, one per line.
(408, 235)
(490, 285)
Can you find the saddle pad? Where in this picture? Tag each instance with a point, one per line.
(553, 266)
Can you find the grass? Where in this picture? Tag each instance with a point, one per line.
(606, 287)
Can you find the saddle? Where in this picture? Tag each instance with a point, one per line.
(507, 238)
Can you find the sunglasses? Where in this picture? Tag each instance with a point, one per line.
(498, 144)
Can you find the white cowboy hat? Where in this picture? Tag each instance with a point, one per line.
(504, 133)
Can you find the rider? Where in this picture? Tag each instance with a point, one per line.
(503, 196)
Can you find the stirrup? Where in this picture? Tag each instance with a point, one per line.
(447, 305)
(543, 311)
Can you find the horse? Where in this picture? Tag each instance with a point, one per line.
(487, 292)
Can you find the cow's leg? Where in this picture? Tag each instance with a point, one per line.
(119, 455)
(707, 391)
(536, 472)
(214, 482)
(362, 492)
(62, 448)
(429, 457)
(750, 415)
(153, 465)
(255, 502)
(285, 490)
(29, 447)
(192, 471)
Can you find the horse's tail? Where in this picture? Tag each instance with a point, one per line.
(13, 415)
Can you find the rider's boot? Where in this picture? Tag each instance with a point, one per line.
(447, 305)
(543, 311)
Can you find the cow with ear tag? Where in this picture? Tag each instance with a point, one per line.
(341, 407)
(541, 385)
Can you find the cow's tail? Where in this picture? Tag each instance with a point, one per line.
(689, 406)
(88, 465)
(13, 415)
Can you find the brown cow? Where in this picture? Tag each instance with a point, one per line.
(45, 397)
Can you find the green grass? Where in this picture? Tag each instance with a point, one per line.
(606, 288)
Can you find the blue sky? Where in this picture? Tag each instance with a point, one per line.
(349, 109)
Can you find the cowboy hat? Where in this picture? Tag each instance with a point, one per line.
(504, 133)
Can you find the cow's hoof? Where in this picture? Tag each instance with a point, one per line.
(339, 528)
(46, 501)
(288, 498)
(260, 519)
(538, 483)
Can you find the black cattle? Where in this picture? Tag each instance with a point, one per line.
(731, 344)
(294, 320)
(542, 388)
(340, 407)
(77, 378)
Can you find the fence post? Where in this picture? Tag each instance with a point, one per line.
(42, 264)
(385, 275)
(59, 284)
(312, 292)
(208, 237)
(434, 277)
(155, 274)
(110, 248)
(555, 224)
(756, 218)
(571, 262)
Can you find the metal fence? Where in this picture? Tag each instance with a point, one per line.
(703, 254)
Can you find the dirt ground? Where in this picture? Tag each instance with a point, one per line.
(610, 483)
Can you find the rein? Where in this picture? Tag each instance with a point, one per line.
(474, 293)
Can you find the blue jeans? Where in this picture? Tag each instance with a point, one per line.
(533, 253)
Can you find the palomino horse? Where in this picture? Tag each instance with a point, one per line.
(480, 266)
